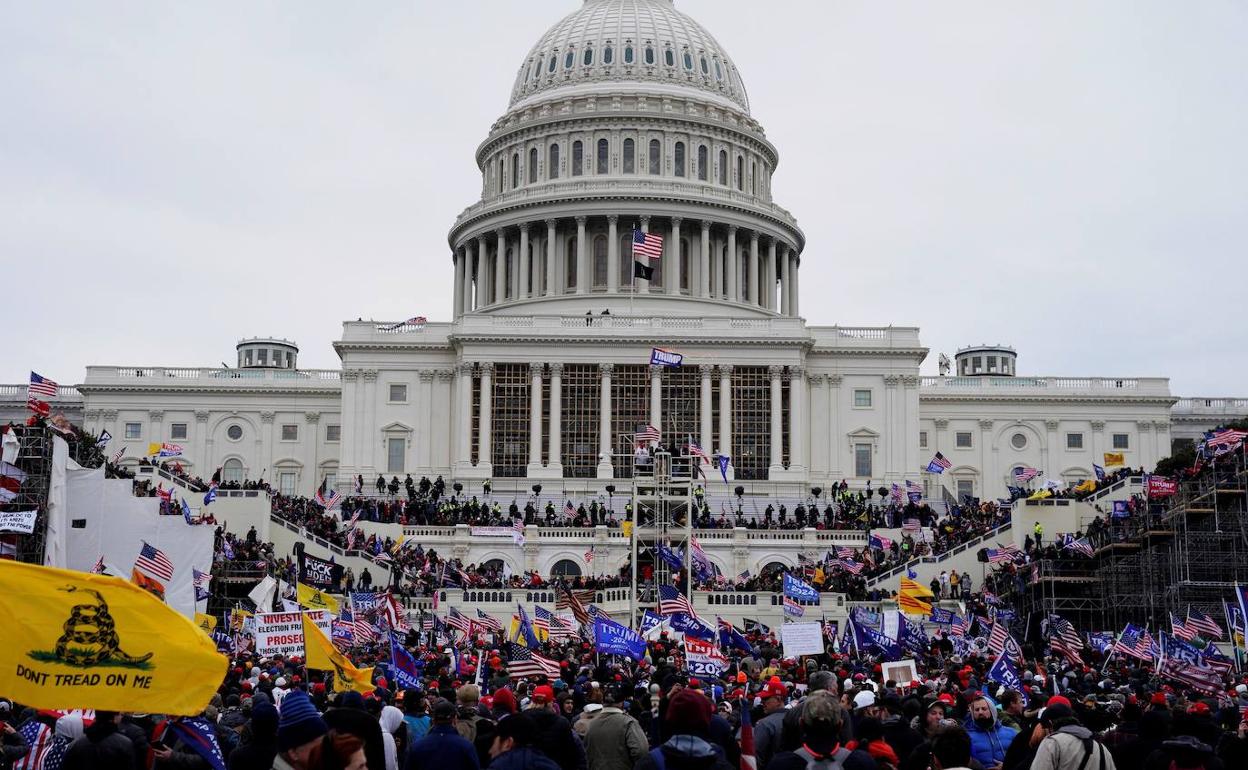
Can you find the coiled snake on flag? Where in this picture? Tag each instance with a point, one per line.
(90, 624)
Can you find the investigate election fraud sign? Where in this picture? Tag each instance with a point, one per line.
(281, 633)
(76, 640)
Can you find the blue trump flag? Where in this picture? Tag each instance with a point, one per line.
(691, 626)
(649, 621)
(616, 639)
(1003, 672)
(1121, 510)
(1099, 471)
(942, 616)
(200, 737)
(673, 559)
(799, 589)
(723, 466)
(865, 638)
(729, 636)
(404, 669)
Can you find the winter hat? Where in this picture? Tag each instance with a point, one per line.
(1055, 712)
(299, 722)
(264, 719)
(689, 711)
(505, 700)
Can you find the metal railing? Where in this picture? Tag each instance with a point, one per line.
(943, 556)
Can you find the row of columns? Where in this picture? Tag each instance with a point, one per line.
(554, 438)
(476, 270)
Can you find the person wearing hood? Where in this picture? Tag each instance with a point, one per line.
(512, 746)
(989, 738)
(822, 723)
(68, 729)
(391, 721)
(259, 751)
(351, 716)
(614, 740)
(688, 717)
(101, 747)
(1068, 745)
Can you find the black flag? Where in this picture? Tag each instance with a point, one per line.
(641, 271)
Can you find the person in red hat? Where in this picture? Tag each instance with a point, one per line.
(554, 736)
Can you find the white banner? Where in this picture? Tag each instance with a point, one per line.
(18, 521)
(281, 633)
(491, 531)
(801, 639)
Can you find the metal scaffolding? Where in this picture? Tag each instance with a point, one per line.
(34, 458)
(662, 513)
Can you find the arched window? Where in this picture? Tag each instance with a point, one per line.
(669, 57)
(719, 74)
(532, 165)
(509, 261)
(232, 471)
(774, 566)
(588, 59)
(569, 262)
(537, 69)
(603, 157)
(552, 166)
(723, 167)
(515, 170)
(498, 175)
(629, 156)
(626, 265)
(740, 173)
(565, 568)
(600, 261)
(678, 158)
(753, 178)
(554, 60)
(705, 70)
(628, 54)
(655, 159)
(688, 61)
(578, 158)
(649, 55)
(493, 564)
(686, 264)
(569, 60)
(702, 162)
(608, 55)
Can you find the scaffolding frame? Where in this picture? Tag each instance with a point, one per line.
(663, 513)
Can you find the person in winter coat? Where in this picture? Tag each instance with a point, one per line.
(615, 740)
(443, 748)
(351, 717)
(12, 745)
(989, 738)
(101, 746)
(258, 753)
(689, 719)
(554, 736)
(391, 720)
(822, 723)
(68, 729)
(1067, 744)
(512, 747)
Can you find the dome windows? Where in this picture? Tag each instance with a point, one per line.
(628, 54)
(669, 57)
(603, 157)
(688, 61)
(608, 55)
(740, 173)
(588, 58)
(578, 158)
(554, 62)
(515, 170)
(552, 167)
(705, 70)
(719, 73)
(649, 55)
(532, 165)
(655, 157)
(629, 159)
(678, 158)
(702, 162)
(569, 59)
(723, 167)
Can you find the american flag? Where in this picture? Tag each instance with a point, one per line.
(647, 245)
(1023, 473)
(488, 622)
(910, 525)
(957, 627)
(1203, 624)
(39, 737)
(365, 632)
(523, 663)
(1064, 639)
(41, 386)
(1002, 553)
(517, 531)
(1080, 545)
(647, 433)
(748, 759)
(1220, 438)
(541, 619)
(672, 602)
(1202, 680)
(153, 563)
(940, 461)
(567, 599)
(1000, 641)
(850, 566)
(458, 620)
(1136, 642)
(1180, 629)
(845, 552)
(696, 450)
(589, 556)
(554, 625)
(330, 501)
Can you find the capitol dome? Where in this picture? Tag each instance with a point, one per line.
(646, 44)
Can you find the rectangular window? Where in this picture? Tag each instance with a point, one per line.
(862, 461)
(333, 432)
(290, 433)
(395, 455)
(966, 488)
(962, 440)
(1074, 441)
(398, 394)
(286, 483)
(922, 439)
(751, 422)
(579, 420)
(134, 430)
(630, 407)
(1122, 441)
(511, 420)
(177, 430)
(992, 363)
(862, 398)
(262, 356)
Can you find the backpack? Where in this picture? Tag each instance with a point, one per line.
(1088, 745)
(833, 762)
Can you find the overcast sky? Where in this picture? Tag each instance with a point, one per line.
(1065, 177)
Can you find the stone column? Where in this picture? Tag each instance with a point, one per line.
(485, 424)
(769, 277)
(754, 297)
(786, 283)
(555, 452)
(463, 445)
(458, 300)
(777, 405)
(988, 462)
(835, 444)
(725, 415)
(483, 256)
(606, 469)
(643, 286)
(465, 254)
(613, 253)
(672, 269)
(500, 268)
(717, 267)
(369, 377)
(732, 263)
(535, 418)
(1098, 443)
(583, 277)
(550, 257)
(704, 409)
(424, 424)
(704, 262)
(656, 397)
(794, 273)
(799, 422)
(524, 281)
(1051, 448)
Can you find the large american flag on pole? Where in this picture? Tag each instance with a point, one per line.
(38, 392)
(525, 663)
(673, 602)
(647, 433)
(647, 245)
(1202, 624)
(154, 563)
(567, 599)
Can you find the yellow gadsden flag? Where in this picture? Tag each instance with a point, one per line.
(314, 599)
(322, 655)
(207, 622)
(1113, 459)
(75, 640)
(910, 599)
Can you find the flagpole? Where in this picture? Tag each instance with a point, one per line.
(1230, 627)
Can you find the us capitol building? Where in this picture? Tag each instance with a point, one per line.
(628, 114)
